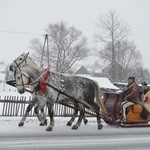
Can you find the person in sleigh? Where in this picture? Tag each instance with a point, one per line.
(131, 97)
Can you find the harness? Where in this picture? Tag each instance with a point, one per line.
(42, 86)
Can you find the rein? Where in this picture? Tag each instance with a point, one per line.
(70, 97)
(102, 115)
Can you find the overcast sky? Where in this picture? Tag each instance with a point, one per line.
(33, 16)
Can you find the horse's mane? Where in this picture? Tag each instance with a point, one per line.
(32, 62)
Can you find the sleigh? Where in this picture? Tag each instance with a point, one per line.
(136, 115)
(112, 101)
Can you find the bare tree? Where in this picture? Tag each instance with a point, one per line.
(128, 59)
(67, 46)
(119, 54)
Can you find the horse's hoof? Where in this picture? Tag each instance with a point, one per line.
(85, 121)
(69, 123)
(45, 122)
(75, 127)
(100, 126)
(20, 124)
(41, 124)
(49, 129)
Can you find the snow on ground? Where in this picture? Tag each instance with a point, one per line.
(32, 136)
(9, 126)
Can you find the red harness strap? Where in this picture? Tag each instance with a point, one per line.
(42, 85)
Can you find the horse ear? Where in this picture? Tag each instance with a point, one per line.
(27, 54)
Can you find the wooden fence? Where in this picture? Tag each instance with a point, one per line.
(16, 106)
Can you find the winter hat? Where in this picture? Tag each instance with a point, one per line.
(132, 78)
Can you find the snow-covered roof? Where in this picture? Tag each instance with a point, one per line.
(104, 83)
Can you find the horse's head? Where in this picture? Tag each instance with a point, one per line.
(19, 62)
(23, 68)
(22, 80)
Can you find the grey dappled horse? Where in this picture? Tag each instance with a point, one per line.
(39, 104)
(56, 87)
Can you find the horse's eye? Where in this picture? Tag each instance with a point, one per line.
(20, 58)
(18, 78)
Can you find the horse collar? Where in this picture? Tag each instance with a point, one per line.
(42, 86)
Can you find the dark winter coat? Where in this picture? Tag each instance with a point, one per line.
(131, 93)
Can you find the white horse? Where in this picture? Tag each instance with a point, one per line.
(37, 107)
(33, 103)
(55, 87)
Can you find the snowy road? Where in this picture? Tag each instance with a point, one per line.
(88, 137)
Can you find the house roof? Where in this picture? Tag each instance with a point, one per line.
(82, 70)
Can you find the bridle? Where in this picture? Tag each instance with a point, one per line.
(17, 65)
(19, 71)
(40, 82)
(22, 75)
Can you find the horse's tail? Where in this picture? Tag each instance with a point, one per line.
(99, 100)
